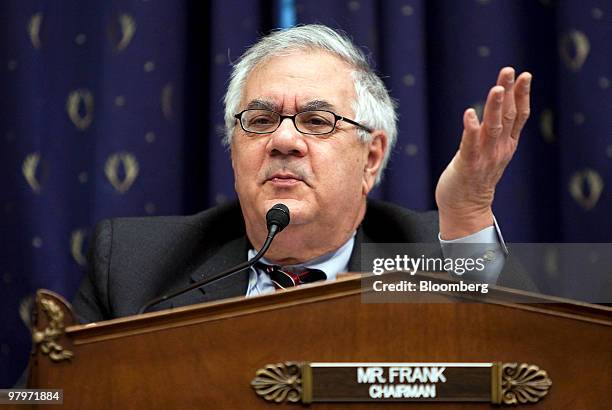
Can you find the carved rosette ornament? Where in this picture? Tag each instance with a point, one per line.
(47, 338)
(279, 382)
(523, 383)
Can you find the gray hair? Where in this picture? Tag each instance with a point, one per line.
(373, 106)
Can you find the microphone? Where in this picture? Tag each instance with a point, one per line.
(277, 219)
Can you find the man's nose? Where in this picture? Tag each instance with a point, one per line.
(287, 140)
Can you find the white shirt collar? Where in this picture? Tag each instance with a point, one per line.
(331, 263)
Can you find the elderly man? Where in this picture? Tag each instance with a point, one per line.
(309, 124)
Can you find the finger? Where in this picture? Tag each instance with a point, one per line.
(522, 92)
(491, 128)
(469, 140)
(506, 80)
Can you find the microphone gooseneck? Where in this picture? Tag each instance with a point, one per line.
(277, 219)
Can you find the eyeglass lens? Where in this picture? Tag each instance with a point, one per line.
(308, 122)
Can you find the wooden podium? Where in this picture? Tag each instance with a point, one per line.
(206, 356)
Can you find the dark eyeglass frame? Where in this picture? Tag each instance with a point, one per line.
(292, 117)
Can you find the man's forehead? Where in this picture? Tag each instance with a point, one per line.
(300, 81)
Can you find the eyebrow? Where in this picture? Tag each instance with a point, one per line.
(318, 105)
(262, 105)
(259, 104)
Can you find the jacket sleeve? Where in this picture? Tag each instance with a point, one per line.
(91, 303)
(515, 276)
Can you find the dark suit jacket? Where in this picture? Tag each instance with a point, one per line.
(133, 260)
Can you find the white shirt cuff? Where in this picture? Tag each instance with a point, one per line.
(487, 244)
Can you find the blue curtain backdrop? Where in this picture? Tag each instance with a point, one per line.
(113, 108)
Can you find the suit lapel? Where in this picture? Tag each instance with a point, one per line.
(227, 256)
(355, 261)
(362, 262)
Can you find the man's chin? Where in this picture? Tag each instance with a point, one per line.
(300, 211)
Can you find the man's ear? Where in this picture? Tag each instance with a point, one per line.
(375, 154)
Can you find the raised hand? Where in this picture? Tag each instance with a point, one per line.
(466, 188)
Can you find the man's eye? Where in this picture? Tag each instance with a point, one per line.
(316, 120)
(261, 120)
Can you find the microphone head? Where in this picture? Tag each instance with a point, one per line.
(278, 215)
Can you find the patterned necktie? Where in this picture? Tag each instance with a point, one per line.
(283, 278)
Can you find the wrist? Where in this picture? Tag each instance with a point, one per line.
(459, 223)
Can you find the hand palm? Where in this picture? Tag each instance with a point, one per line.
(466, 188)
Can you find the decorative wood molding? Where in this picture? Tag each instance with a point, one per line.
(279, 382)
(523, 383)
(49, 326)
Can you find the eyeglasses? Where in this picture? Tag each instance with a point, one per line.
(317, 122)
